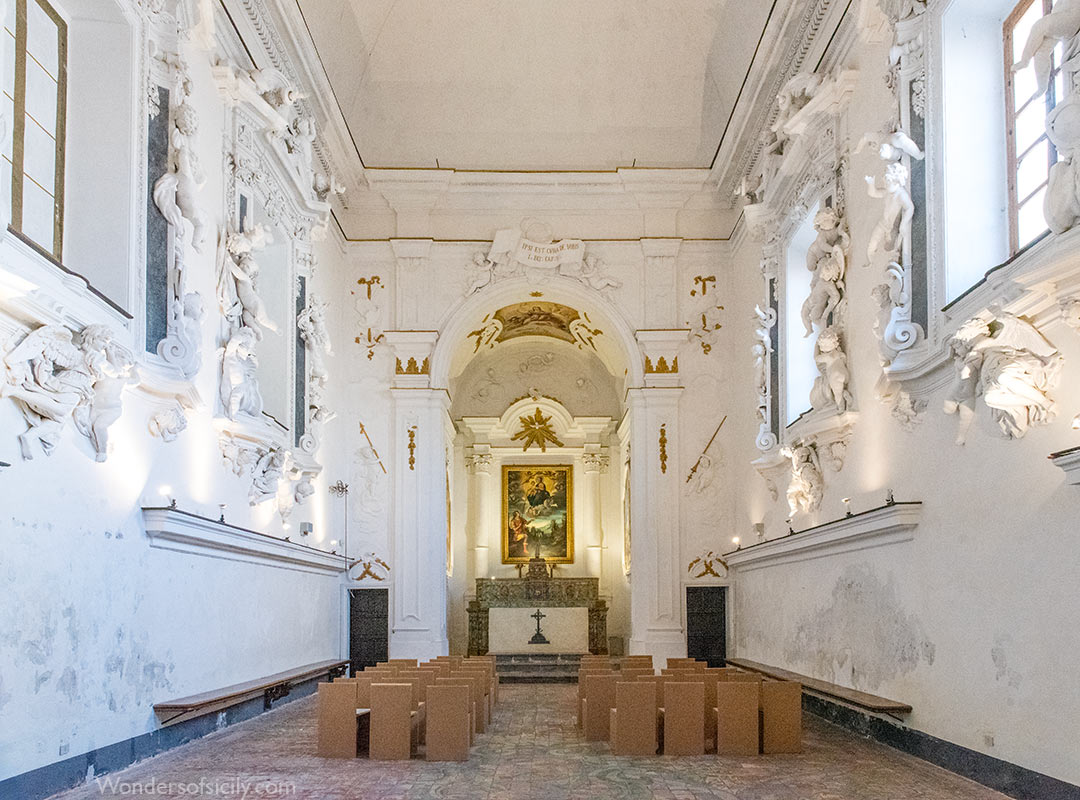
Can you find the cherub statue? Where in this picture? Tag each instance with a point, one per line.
(311, 323)
(1060, 25)
(325, 185)
(892, 143)
(241, 304)
(1061, 206)
(112, 368)
(272, 85)
(793, 97)
(831, 385)
(480, 273)
(176, 193)
(832, 239)
(592, 274)
(893, 231)
(824, 293)
(300, 141)
(967, 363)
(807, 485)
(239, 385)
(267, 475)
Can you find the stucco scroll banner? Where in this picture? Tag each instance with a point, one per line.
(510, 245)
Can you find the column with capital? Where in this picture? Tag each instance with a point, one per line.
(478, 462)
(595, 464)
(421, 434)
(656, 624)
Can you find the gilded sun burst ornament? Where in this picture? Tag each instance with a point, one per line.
(536, 430)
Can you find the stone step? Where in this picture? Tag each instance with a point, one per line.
(538, 667)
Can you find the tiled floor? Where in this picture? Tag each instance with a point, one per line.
(532, 752)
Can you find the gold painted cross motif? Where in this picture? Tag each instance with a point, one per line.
(536, 430)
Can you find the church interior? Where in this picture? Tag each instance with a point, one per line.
(541, 399)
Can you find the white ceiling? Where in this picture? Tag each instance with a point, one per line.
(536, 84)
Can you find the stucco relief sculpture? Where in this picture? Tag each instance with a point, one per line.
(807, 487)
(112, 368)
(1012, 366)
(239, 384)
(592, 274)
(480, 273)
(267, 475)
(1062, 25)
(237, 274)
(1061, 206)
(793, 97)
(299, 141)
(762, 351)
(831, 386)
(826, 259)
(311, 324)
(168, 423)
(52, 375)
(176, 194)
(272, 85)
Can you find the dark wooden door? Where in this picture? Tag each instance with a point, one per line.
(706, 624)
(369, 626)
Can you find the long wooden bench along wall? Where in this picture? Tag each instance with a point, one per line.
(271, 688)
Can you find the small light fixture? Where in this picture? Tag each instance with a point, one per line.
(735, 541)
(890, 500)
(285, 525)
(306, 528)
(222, 507)
(847, 506)
(1075, 424)
(759, 531)
(166, 491)
(790, 530)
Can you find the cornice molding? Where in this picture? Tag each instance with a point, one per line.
(891, 524)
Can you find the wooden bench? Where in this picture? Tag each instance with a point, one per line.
(853, 697)
(272, 687)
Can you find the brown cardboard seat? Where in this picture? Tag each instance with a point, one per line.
(392, 726)
(684, 724)
(737, 722)
(632, 673)
(448, 722)
(584, 671)
(598, 702)
(337, 720)
(469, 684)
(781, 717)
(633, 720)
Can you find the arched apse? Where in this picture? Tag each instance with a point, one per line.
(614, 346)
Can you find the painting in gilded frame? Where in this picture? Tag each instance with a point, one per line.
(537, 503)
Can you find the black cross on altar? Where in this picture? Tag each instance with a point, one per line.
(538, 637)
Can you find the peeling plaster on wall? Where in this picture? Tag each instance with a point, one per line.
(999, 655)
(863, 609)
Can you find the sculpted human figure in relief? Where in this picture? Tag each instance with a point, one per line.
(112, 368)
(239, 386)
(807, 485)
(241, 303)
(47, 376)
(831, 385)
(176, 193)
(1012, 366)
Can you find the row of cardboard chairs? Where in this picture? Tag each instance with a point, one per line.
(688, 710)
(388, 710)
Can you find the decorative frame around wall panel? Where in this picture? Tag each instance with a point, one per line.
(268, 163)
(806, 169)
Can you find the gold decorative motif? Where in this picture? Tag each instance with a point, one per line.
(371, 444)
(370, 339)
(663, 449)
(704, 281)
(707, 565)
(370, 283)
(536, 430)
(370, 565)
(661, 367)
(412, 448)
(412, 368)
(536, 294)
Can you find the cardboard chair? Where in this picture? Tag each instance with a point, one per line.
(633, 720)
(781, 717)
(597, 705)
(448, 723)
(392, 722)
(582, 673)
(737, 722)
(684, 724)
(337, 720)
